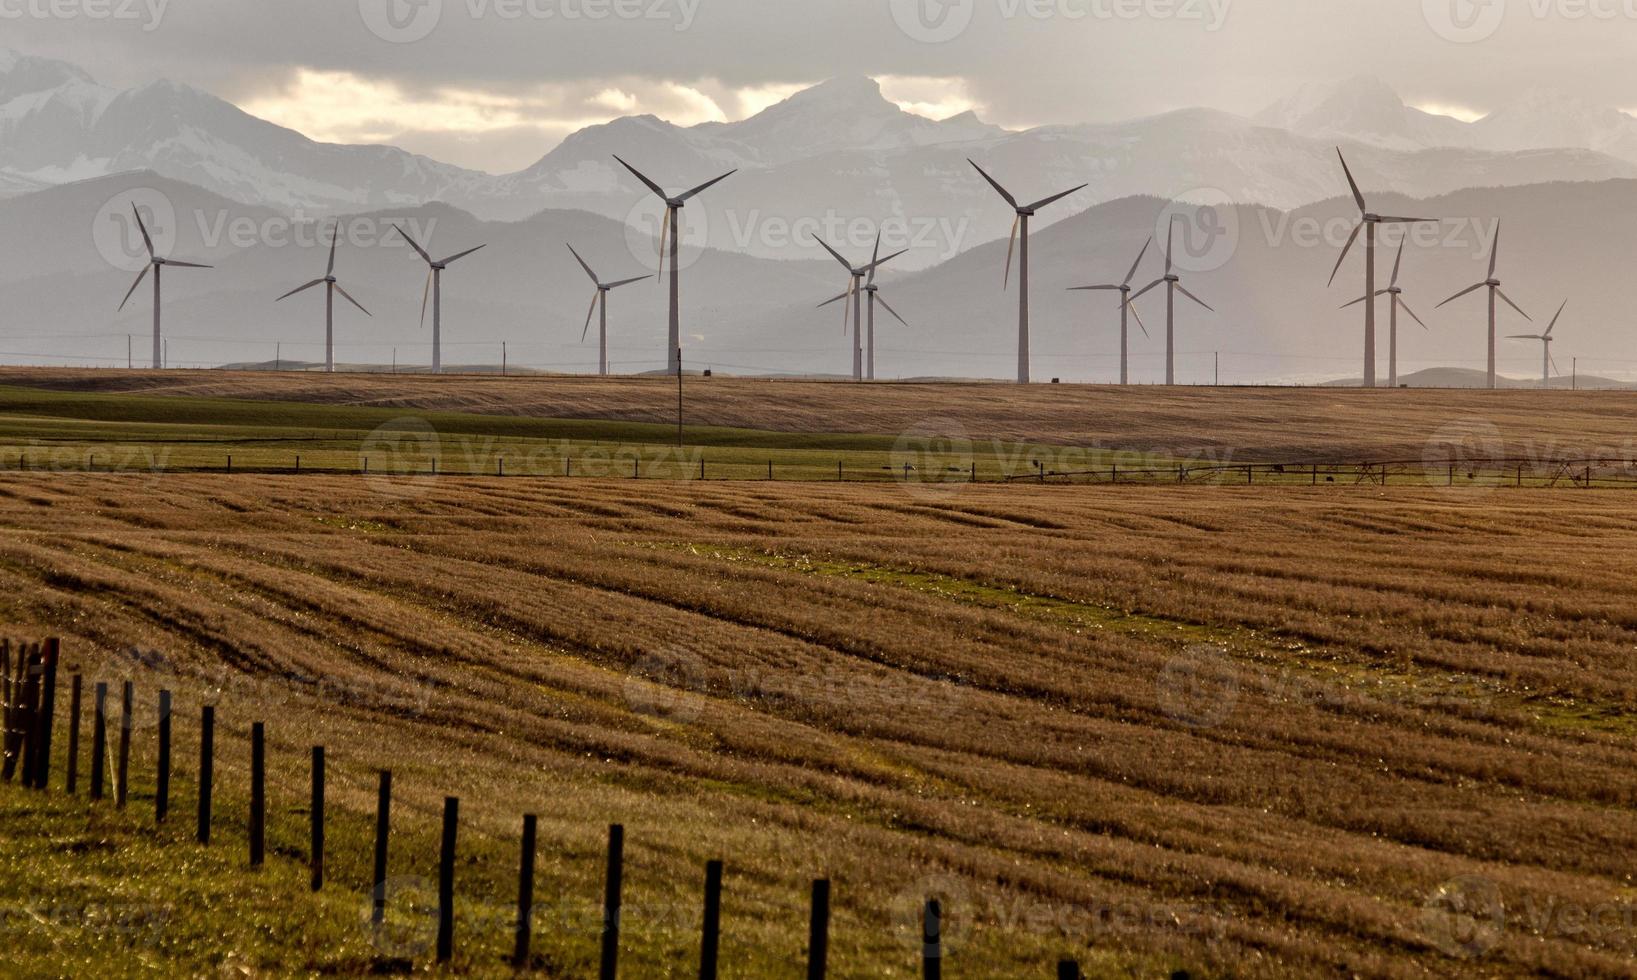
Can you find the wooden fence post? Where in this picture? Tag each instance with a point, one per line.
(75, 685)
(611, 903)
(711, 931)
(316, 813)
(932, 956)
(1068, 970)
(48, 713)
(383, 825)
(258, 793)
(123, 771)
(525, 894)
(818, 931)
(99, 739)
(446, 880)
(207, 767)
(162, 779)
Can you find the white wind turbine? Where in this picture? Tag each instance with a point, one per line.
(1368, 221)
(1494, 291)
(856, 288)
(331, 287)
(600, 299)
(1173, 285)
(156, 264)
(672, 229)
(434, 285)
(1397, 303)
(1124, 289)
(1021, 222)
(1548, 363)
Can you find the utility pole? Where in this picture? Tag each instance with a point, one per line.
(502, 358)
(1218, 369)
(1574, 376)
(679, 398)
(278, 357)
(394, 360)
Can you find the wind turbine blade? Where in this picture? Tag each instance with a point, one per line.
(1469, 289)
(847, 307)
(1004, 193)
(883, 301)
(1144, 291)
(1138, 318)
(354, 302)
(1406, 308)
(451, 260)
(1556, 318)
(1011, 245)
(1495, 250)
(1134, 266)
(1355, 302)
(587, 268)
(651, 185)
(837, 299)
(413, 244)
(881, 262)
(589, 314)
(875, 257)
(707, 185)
(1553, 361)
(1514, 305)
(132, 291)
(625, 282)
(187, 265)
(1389, 220)
(146, 241)
(664, 238)
(1398, 263)
(335, 235)
(1358, 195)
(1170, 234)
(1344, 250)
(425, 295)
(1183, 290)
(1036, 206)
(299, 289)
(1524, 336)
(844, 263)
(1085, 289)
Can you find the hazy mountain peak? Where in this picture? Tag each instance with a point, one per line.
(22, 74)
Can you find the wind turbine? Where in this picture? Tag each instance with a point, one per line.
(601, 298)
(331, 287)
(1368, 222)
(1173, 285)
(673, 227)
(1124, 289)
(1494, 291)
(434, 284)
(856, 288)
(1024, 213)
(1397, 303)
(1548, 363)
(156, 264)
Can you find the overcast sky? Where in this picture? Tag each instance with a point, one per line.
(494, 84)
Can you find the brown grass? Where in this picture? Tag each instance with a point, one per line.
(1235, 732)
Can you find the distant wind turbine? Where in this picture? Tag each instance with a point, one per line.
(1368, 221)
(600, 299)
(672, 227)
(1397, 303)
(876, 297)
(856, 288)
(1548, 363)
(1021, 222)
(434, 285)
(1494, 291)
(156, 264)
(331, 287)
(1173, 285)
(1124, 289)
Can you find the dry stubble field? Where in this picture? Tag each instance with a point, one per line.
(1228, 731)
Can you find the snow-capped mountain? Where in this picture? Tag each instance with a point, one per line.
(1544, 119)
(1365, 109)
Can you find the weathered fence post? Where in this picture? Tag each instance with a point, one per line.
(818, 931)
(99, 738)
(258, 793)
(47, 715)
(611, 903)
(1068, 970)
(711, 931)
(446, 881)
(770, 470)
(162, 778)
(383, 825)
(932, 954)
(75, 685)
(207, 767)
(500, 466)
(123, 771)
(525, 894)
(316, 813)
